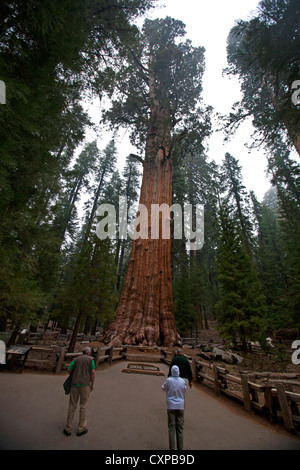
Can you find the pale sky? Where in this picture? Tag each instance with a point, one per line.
(208, 24)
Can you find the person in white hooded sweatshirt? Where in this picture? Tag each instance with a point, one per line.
(175, 388)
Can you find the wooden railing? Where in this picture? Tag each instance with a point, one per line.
(101, 354)
(273, 400)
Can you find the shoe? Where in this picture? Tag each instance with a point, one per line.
(66, 433)
(81, 433)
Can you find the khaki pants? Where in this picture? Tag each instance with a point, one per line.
(77, 393)
(175, 427)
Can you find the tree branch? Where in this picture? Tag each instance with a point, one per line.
(141, 66)
(136, 157)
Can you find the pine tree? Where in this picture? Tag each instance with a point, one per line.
(129, 190)
(269, 258)
(87, 245)
(267, 73)
(236, 194)
(76, 181)
(285, 177)
(241, 305)
(50, 52)
(195, 184)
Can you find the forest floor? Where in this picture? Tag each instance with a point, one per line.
(127, 412)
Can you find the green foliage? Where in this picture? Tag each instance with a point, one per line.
(50, 54)
(88, 284)
(172, 71)
(194, 276)
(286, 180)
(241, 303)
(267, 72)
(185, 313)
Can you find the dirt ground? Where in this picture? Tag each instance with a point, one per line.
(125, 412)
(272, 361)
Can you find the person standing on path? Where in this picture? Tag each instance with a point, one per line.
(175, 388)
(184, 367)
(83, 376)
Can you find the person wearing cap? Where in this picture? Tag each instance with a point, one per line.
(83, 376)
(175, 388)
(184, 367)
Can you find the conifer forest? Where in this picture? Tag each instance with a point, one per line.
(58, 55)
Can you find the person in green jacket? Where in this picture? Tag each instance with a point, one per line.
(83, 376)
(184, 367)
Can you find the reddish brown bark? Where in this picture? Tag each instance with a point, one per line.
(145, 313)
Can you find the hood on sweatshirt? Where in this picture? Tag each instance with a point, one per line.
(175, 371)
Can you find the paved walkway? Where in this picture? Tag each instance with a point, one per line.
(125, 412)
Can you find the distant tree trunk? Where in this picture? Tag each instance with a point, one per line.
(13, 337)
(145, 313)
(121, 250)
(199, 316)
(75, 332)
(3, 322)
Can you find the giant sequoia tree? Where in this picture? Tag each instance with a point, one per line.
(161, 83)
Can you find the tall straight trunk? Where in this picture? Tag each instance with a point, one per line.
(75, 332)
(145, 313)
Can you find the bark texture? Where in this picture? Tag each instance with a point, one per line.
(145, 313)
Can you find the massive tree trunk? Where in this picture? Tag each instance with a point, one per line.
(145, 312)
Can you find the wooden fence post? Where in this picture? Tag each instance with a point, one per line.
(216, 380)
(194, 369)
(97, 359)
(60, 360)
(111, 351)
(124, 352)
(269, 406)
(285, 409)
(246, 393)
(253, 393)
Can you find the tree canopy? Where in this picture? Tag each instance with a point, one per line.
(267, 73)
